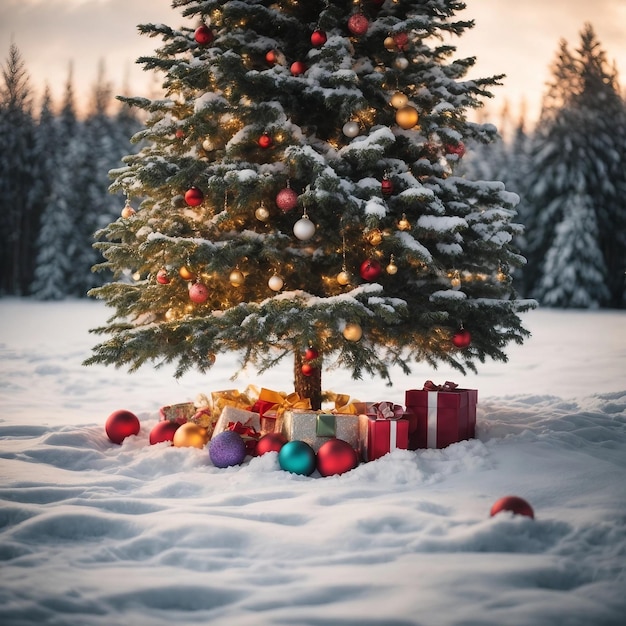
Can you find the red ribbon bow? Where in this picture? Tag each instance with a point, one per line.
(385, 411)
(249, 435)
(429, 385)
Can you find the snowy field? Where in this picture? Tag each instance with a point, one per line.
(97, 534)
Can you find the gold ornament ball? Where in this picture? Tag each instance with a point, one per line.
(190, 435)
(392, 268)
(128, 211)
(186, 274)
(236, 278)
(353, 332)
(398, 100)
(404, 224)
(374, 237)
(389, 44)
(343, 278)
(407, 117)
(262, 214)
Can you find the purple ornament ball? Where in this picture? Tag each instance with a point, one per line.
(226, 449)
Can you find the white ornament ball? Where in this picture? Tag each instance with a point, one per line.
(275, 283)
(304, 229)
(351, 129)
(401, 63)
(208, 145)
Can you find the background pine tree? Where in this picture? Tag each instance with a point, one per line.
(404, 252)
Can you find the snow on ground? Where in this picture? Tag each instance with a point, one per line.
(97, 534)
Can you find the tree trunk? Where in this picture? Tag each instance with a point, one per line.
(308, 386)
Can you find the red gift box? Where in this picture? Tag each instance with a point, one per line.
(444, 414)
(383, 429)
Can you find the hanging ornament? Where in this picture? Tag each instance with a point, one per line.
(462, 338)
(236, 278)
(198, 293)
(358, 24)
(304, 228)
(406, 117)
(275, 283)
(208, 145)
(162, 278)
(307, 369)
(392, 268)
(351, 129)
(404, 224)
(271, 57)
(298, 68)
(458, 149)
(343, 278)
(401, 63)
(352, 332)
(386, 185)
(265, 141)
(311, 353)
(194, 196)
(262, 214)
(318, 38)
(374, 237)
(203, 35)
(389, 44)
(401, 40)
(455, 281)
(186, 274)
(370, 269)
(287, 199)
(127, 211)
(399, 100)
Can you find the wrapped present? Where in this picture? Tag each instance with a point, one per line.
(231, 414)
(444, 414)
(232, 397)
(179, 413)
(249, 435)
(383, 428)
(271, 406)
(316, 428)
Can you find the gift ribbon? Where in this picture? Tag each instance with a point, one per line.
(385, 411)
(343, 406)
(429, 385)
(249, 435)
(280, 403)
(431, 428)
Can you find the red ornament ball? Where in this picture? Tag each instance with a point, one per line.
(163, 431)
(271, 57)
(462, 338)
(318, 38)
(336, 457)
(198, 293)
(287, 199)
(370, 269)
(121, 424)
(162, 278)
(297, 68)
(307, 369)
(358, 24)
(203, 35)
(458, 149)
(514, 504)
(272, 442)
(386, 186)
(180, 133)
(194, 196)
(265, 141)
(310, 354)
(401, 40)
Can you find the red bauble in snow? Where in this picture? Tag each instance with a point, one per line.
(462, 338)
(358, 24)
(370, 269)
(265, 141)
(272, 442)
(318, 38)
(194, 196)
(458, 149)
(162, 278)
(386, 186)
(514, 504)
(336, 457)
(297, 68)
(121, 424)
(307, 369)
(310, 354)
(163, 431)
(287, 199)
(203, 35)
(198, 293)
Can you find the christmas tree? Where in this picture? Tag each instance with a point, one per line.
(296, 196)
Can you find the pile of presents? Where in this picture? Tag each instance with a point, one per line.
(433, 417)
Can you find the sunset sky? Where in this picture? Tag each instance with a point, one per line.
(518, 38)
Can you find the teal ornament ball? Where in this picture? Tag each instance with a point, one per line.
(297, 457)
